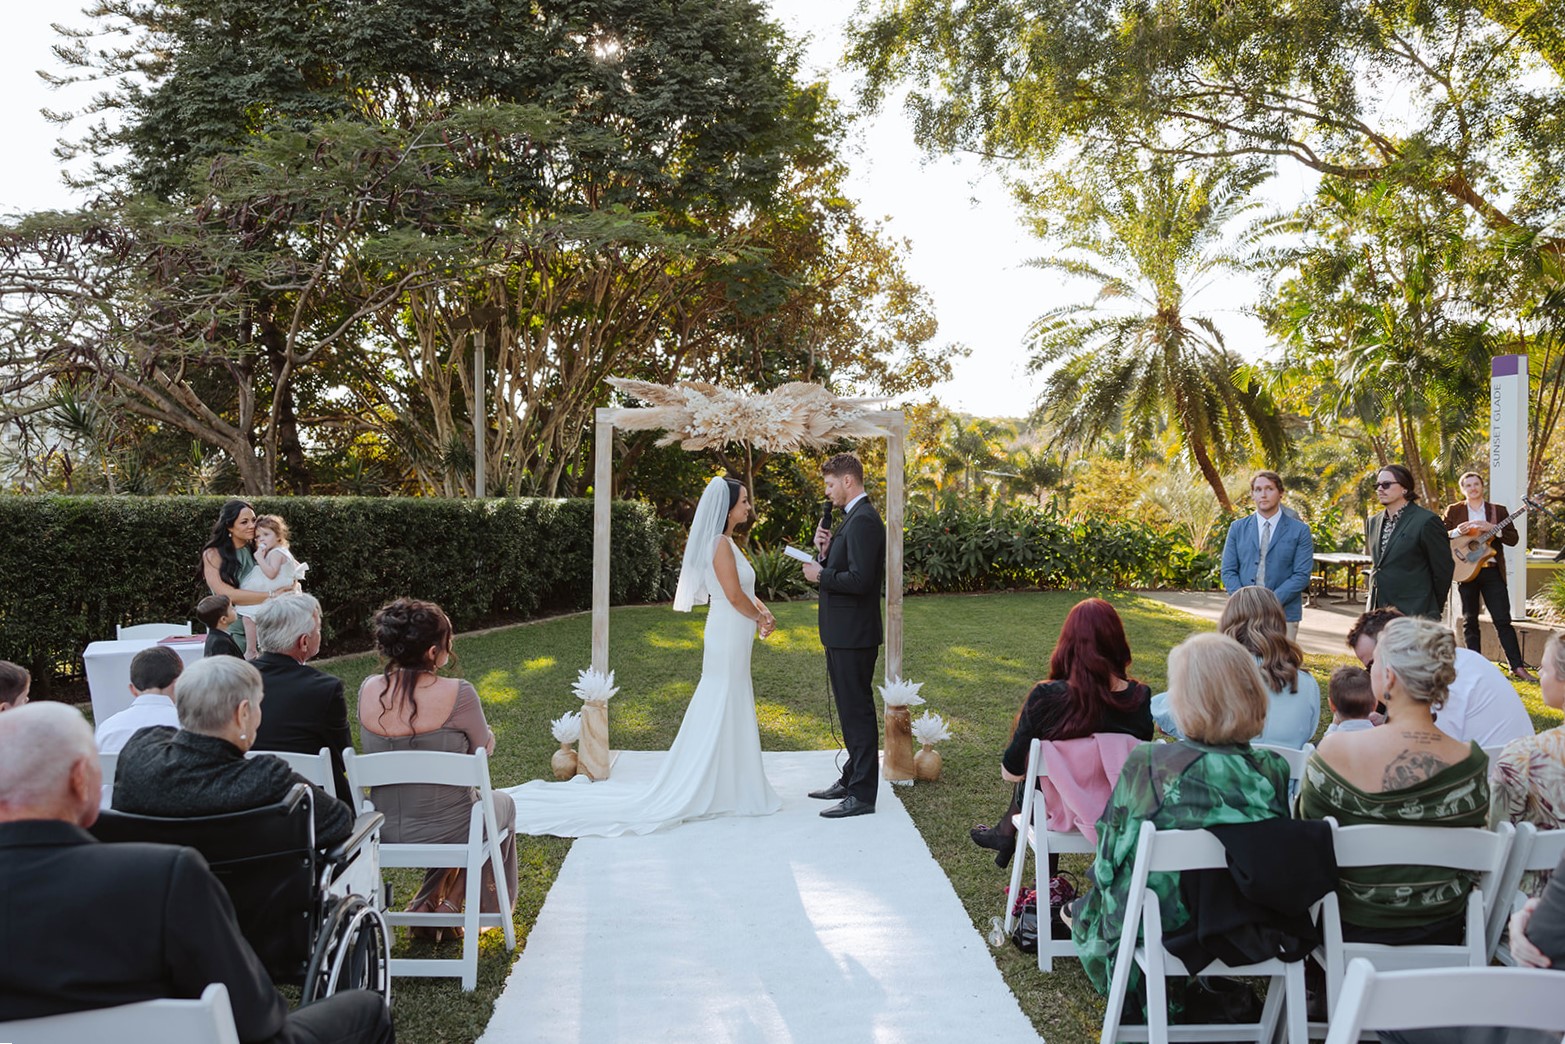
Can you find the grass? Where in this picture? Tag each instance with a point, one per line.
(978, 655)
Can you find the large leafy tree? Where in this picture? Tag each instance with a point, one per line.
(1137, 356)
(1462, 98)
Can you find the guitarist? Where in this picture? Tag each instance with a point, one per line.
(1476, 516)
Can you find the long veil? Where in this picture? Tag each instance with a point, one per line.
(710, 521)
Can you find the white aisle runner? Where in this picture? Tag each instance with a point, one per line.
(787, 927)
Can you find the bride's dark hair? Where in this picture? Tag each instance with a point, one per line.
(735, 487)
(405, 632)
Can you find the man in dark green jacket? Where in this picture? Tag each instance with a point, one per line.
(1410, 551)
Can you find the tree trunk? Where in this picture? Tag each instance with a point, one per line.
(1209, 471)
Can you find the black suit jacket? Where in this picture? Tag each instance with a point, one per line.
(304, 710)
(221, 643)
(85, 925)
(851, 580)
(1414, 574)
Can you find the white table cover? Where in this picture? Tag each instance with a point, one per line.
(108, 670)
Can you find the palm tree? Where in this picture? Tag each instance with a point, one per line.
(1134, 357)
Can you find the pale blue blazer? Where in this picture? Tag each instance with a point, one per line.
(1289, 559)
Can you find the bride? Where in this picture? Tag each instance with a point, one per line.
(714, 767)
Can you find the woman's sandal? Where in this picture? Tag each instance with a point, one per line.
(433, 933)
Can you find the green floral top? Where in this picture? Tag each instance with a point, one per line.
(1175, 786)
(1401, 896)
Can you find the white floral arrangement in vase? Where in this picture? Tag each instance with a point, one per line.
(566, 730)
(929, 729)
(899, 694)
(594, 689)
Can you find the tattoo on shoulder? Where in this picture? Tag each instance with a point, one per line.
(1410, 767)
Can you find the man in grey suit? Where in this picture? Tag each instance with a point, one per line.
(1271, 548)
(850, 573)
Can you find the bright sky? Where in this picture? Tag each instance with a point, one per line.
(968, 247)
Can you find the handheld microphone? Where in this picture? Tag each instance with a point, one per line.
(826, 516)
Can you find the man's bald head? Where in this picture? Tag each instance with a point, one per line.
(48, 765)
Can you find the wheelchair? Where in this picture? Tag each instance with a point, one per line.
(315, 917)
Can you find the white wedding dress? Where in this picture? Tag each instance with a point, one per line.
(714, 767)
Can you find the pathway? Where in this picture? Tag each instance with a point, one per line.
(1322, 632)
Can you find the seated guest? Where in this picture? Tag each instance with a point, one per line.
(305, 708)
(200, 769)
(1212, 777)
(14, 685)
(85, 925)
(1089, 691)
(1253, 618)
(216, 612)
(1480, 706)
(1406, 771)
(1527, 780)
(409, 706)
(1352, 700)
(152, 675)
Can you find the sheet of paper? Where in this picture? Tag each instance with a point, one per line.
(795, 553)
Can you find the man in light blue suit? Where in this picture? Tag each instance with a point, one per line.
(1271, 548)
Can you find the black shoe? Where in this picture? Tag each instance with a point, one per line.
(1003, 845)
(850, 806)
(835, 792)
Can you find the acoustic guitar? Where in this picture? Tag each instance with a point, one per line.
(1472, 551)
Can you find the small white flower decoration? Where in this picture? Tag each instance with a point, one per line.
(592, 686)
(898, 692)
(930, 728)
(567, 727)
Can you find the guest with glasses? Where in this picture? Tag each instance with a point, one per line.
(1408, 548)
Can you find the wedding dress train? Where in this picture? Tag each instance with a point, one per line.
(713, 769)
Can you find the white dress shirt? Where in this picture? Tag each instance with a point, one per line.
(850, 505)
(145, 711)
(1483, 706)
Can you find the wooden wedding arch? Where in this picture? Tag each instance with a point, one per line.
(794, 416)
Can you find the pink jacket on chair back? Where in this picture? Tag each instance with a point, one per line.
(1081, 776)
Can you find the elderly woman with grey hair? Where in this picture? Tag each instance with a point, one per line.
(200, 769)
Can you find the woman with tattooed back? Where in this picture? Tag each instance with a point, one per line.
(1406, 772)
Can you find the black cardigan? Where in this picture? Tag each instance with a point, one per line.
(176, 774)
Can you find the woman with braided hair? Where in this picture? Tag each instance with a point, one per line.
(409, 706)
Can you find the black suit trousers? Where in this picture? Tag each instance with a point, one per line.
(351, 1017)
(1490, 584)
(852, 674)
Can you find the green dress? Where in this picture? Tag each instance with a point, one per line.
(1401, 896)
(1175, 786)
(246, 563)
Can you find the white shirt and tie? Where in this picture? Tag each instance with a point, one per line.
(1266, 540)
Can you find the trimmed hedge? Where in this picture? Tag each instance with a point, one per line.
(71, 568)
(969, 548)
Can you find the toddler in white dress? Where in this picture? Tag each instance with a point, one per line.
(276, 570)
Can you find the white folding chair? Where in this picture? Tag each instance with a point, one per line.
(1532, 851)
(209, 1020)
(1469, 849)
(1296, 759)
(1520, 998)
(1159, 851)
(108, 764)
(1032, 831)
(484, 837)
(152, 630)
(314, 767)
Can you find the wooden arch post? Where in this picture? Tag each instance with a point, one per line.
(888, 423)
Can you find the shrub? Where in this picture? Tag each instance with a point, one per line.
(74, 567)
(777, 577)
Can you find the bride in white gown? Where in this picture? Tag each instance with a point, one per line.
(714, 767)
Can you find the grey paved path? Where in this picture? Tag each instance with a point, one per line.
(1322, 632)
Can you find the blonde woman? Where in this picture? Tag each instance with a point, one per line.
(1219, 700)
(1406, 771)
(1254, 618)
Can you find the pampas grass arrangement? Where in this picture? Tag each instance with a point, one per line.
(566, 730)
(595, 689)
(899, 694)
(697, 415)
(929, 729)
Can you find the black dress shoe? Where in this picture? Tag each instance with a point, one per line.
(850, 806)
(835, 792)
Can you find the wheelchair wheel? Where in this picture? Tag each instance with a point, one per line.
(352, 952)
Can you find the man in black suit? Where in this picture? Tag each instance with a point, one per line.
(85, 925)
(850, 573)
(305, 708)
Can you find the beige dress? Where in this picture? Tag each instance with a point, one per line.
(428, 813)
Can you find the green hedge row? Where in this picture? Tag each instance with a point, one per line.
(968, 548)
(71, 568)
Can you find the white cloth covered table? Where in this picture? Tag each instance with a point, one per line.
(108, 669)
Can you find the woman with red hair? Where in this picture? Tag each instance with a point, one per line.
(1089, 690)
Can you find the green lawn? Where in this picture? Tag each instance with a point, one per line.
(977, 655)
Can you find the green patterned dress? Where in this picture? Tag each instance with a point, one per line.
(246, 563)
(1401, 896)
(1175, 786)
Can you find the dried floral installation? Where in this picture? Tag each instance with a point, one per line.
(698, 415)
